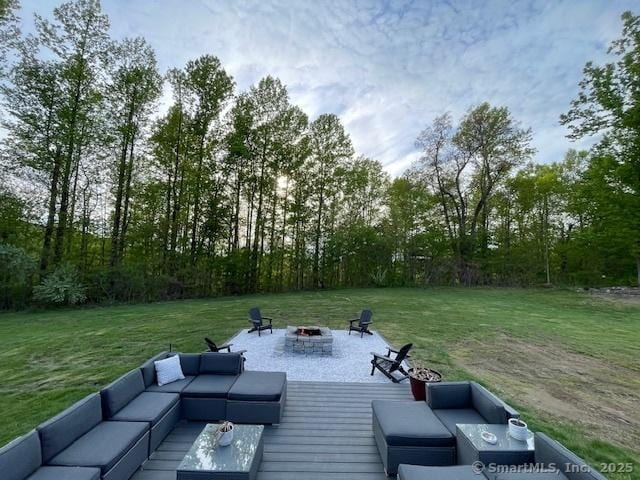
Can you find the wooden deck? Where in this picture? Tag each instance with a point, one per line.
(325, 434)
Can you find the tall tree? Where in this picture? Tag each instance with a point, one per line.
(608, 105)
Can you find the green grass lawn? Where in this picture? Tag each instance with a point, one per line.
(567, 361)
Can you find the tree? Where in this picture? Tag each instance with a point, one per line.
(608, 105)
(464, 167)
(133, 87)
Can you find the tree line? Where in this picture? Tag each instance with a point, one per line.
(109, 195)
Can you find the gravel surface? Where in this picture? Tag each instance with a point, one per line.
(350, 362)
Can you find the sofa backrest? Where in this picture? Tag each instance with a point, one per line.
(190, 363)
(59, 432)
(119, 393)
(221, 363)
(148, 369)
(449, 395)
(553, 454)
(21, 457)
(488, 405)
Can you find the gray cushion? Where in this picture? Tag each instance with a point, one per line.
(59, 432)
(148, 369)
(209, 386)
(220, 363)
(173, 387)
(449, 395)
(542, 475)
(190, 363)
(147, 407)
(550, 452)
(21, 457)
(487, 404)
(102, 446)
(408, 423)
(259, 386)
(66, 473)
(116, 395)
(449, 417)
(416, 472)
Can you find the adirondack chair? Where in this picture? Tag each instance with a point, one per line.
(388, 366)
(257, 320)
(211, 345)
(364, 320)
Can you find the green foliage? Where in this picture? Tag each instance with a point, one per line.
(62, 287)
(16, 271)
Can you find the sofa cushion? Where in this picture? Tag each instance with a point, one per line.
(449, 417)
(168, 370)
(408, 423)
(173, 387)
(259, 386)
(190, 363)
(549, 452)
(21, 457)
(66, 473)
(102, 446)
(209, 386)
(417, 472)
(449, 395)
(148, 369)
(59, 432)
(538, 475)
(220, 363)
(487, 404)
(147, 407)
(116, 395)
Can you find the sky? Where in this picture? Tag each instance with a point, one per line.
(387, 68)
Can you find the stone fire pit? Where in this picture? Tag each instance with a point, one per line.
(309, 340)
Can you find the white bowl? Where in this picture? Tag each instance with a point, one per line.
(226, 438)
(519, 432)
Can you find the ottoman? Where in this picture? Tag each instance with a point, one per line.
(409, 432)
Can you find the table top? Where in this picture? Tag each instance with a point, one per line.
(206, 456)
(473, 433)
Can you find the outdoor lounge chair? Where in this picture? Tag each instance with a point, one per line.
(388, 366)
(364, 320)
(211, 345)
(257, 320)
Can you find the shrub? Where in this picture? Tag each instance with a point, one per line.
(62, 287)
(16, 272)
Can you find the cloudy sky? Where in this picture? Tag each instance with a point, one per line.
(386, 68)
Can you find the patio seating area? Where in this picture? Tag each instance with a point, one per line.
(144, 427)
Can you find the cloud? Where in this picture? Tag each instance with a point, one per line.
(388, 67)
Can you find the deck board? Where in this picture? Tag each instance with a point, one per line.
(325, 434)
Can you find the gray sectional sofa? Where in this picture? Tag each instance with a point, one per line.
(424, 433)
(552, 462)
(109, 435)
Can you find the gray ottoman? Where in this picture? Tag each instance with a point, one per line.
(409, 432)
(460, 472)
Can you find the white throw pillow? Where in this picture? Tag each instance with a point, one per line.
(168, 370)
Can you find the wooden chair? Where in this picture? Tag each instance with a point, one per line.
(257, 320)
(211, 345)
(364, 320)
(388, 366)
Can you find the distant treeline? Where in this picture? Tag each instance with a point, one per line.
(105, 196)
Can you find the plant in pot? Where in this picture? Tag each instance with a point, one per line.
(419, 376)
(225, 431)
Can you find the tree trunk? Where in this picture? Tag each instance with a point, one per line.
(51, 217)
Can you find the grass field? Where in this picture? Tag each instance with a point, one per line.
(568, 361)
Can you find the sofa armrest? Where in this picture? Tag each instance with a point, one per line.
(487, 404)
(553, 454)
(449, 395)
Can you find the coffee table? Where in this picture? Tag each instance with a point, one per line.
(208, 461)
(507, 451)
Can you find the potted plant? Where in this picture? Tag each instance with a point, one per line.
(518, 429)
(226, 434)
(419, 376)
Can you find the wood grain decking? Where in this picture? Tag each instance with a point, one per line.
(325, 434)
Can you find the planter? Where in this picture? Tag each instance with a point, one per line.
(418, 378)
(226, 437)
(518, 429)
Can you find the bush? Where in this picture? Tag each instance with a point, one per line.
(16, 272)
(62, 287)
